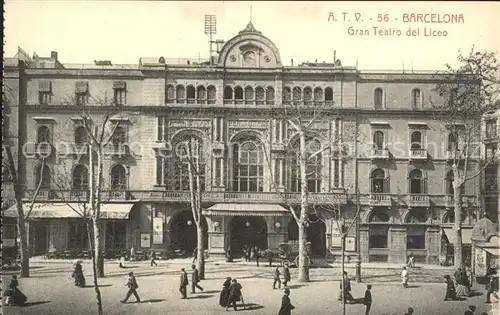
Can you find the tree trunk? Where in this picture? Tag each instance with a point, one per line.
(200, 253)
(303, 263)
(97, 215)
(93, 246)
(23, 237)
(342, 269)
(457, 225)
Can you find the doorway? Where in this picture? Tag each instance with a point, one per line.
(247, 231)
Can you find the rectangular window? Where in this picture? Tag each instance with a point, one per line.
(81, 99)
(336, 173)
(159, 170)
(78, 236)
(44, 98)
(120, 96)
(415, 241)
(378, 236)
(491, 129)
(277, 173)
(218, 178)
(162, 128)
(81, 93)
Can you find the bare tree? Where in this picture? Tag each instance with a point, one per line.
(309, 122)
(22, 216)
(470, 91)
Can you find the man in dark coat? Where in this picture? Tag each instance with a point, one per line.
(471, 310)
(368, 299)
(132, 287)
(234, 294)
(224, 294)
(451, 293)
(286, 305)
(286, 275)
(183, 284)
(492, 285)
(277, 278)
(195, 278)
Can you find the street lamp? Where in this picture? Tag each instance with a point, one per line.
(247, 224)
(189, 222)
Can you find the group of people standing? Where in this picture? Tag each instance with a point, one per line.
(277, 278)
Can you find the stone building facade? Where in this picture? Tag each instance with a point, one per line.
(379, 149)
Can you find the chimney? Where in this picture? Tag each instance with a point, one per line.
(292, 62)
(53, 55)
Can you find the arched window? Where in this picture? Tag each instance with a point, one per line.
(43, 176)
(211, 93)
(80, 177)
(378, 140)
(248, 166)
(297, 95)
(238, 93)
(269, 95)
(191, 94)
(43, 134)
(307, 96)
(118, 177)
(416, 182)
(378, 98)
(416, 217)
(313, 166)
(170, 94)
(81, 136)
(228, 93)
(416, 99)
(449, 182)
(452, 142)
(249, 97)
(287, 95)
(201, 95)
(260, 95)
(318, 95)
(188, 153)
(328, 94)
(378, 181)
(416, 140)
(119, 137)
(378, 217)
(181, 94)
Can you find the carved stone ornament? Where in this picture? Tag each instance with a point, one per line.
(194, 123)
(248, 124)
(232, 58)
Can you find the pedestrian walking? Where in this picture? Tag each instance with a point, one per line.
(269, 255)
(195, 279)
(411, 261)
(277, 278)
(132, 288)
(235, 294)
(286, 275)
(14, 295)
(248, 253)
(256, 255)
(451, 293)
(183, 284)
(471, 310)
(286, 305)
(492, 285)
(153, 258)
(404, 277)
(224, 294)
(132, 253)
(367, 301)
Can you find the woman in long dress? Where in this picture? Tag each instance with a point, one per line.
(78, 275)
(224, 294)
(462, 290)
(16, 296)
(450, 289)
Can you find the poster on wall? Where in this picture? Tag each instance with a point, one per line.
(336, 236)
(350, 244)
(145, 240)
(157, 230)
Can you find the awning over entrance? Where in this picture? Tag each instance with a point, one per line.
(118, 211)
(466, 235)
(239, 209)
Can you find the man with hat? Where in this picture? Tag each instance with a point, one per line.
(286, 304)
(183, 283)
(132, 287)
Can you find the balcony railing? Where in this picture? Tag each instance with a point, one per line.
(335, 197)
(116, 150)
(377, 199)
(453, 154)
(418, 154)
(418, 200)
(43, 149)
(380, 154)
(449, 201)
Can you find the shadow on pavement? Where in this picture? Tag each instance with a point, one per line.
(412, 286)
(100, 286)
(202, 296)
(475, 293)
(208, 292)
(296, 286)
(152, 301)
(252, 306)
(35, 303)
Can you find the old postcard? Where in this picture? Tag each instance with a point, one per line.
(260, 157)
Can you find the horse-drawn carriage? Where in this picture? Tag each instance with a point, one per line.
(288, 253)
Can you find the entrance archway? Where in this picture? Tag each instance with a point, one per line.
(183, 232)
(248, 231)
(316, 234)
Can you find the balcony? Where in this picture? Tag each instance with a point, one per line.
(453, 154)
(120, 150)
(418, 154)
(57, 195)
(417, 200)
(379, 154)
(377, 199)
(75, 149)
(43, 149)
(468, 200)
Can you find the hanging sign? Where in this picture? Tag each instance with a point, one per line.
(145, 240)
(157, 230)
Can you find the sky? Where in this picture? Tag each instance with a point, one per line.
(124, 31)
